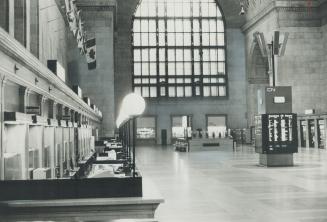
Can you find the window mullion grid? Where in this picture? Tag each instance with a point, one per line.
(166, 51)
(192, 51)
(201, 52)
(158, 85)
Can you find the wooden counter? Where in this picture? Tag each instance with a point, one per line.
(104, 209)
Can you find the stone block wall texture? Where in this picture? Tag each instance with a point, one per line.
(304, 65)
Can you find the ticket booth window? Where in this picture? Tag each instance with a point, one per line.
(146, 128)
(216, 126)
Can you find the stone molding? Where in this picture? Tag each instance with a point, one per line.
(16, 51)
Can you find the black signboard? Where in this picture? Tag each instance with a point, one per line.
(276, 134)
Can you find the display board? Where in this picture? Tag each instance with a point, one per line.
(276, 134)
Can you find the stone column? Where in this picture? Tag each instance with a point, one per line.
(34, 27)
(11, 21)
(20, 21)
(4, 14)
(99, 83)
(316, 133)
(2, 102)
(307, 134)
(299, 135)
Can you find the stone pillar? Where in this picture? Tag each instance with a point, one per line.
(11, 20)
(4, 14)
(99, 83)
(34, 27)
(299, 135)
(307, 134)
(20, 21)
(2, 102)
(325, 133)
(316, 133)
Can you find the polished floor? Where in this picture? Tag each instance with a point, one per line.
(225, 186)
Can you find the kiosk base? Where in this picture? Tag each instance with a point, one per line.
(276, 160)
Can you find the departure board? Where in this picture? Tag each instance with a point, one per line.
(278, 133)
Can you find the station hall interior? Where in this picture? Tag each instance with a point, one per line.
(163, 110)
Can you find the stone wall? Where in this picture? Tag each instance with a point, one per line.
(304, 58)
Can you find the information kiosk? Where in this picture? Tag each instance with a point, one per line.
(276, 127)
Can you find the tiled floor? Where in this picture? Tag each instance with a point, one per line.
(227, 186)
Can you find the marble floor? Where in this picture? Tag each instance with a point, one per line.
(225, 186)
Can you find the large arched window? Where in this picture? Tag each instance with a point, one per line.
(179, 49)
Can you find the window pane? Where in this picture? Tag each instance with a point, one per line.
(171, 69)
(187, 68)
(196, 26)
(161, 26)
(136, 26)
(144, 25)
(152, 39)
(213, 25)
(137, 55)
(206, 68)
(222, 91)
(187, 25)
(196, 39)
(214, 91)
(161, 9)
(220, 26)
(187, 55)
(221, 68)
(214, 68)
(153, 69)
(171, 39)
(205, 54)
(162, 91)
(171, 55)
(196, 7)
(213, 39)
(145, 91)
(170, 25)
(145, 54)
(145, 39)
(205, 25)
(153, 91)
(196, 55)
(205, 39)
(197, 69)
(179, 55)
(152, 26)
(220, 39)
(137, 39)
(188, 91)
(221, 55)
(179, 39)
(180, 91)
(172, 92)
(187, 39)
(179, 68)
(162, 40)
(162, 55)
(152, 9)
(179, 25)
(162, 69)
(206, 91)
(137, 90)
(153, 55)
(137, 69)
(145, 69)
